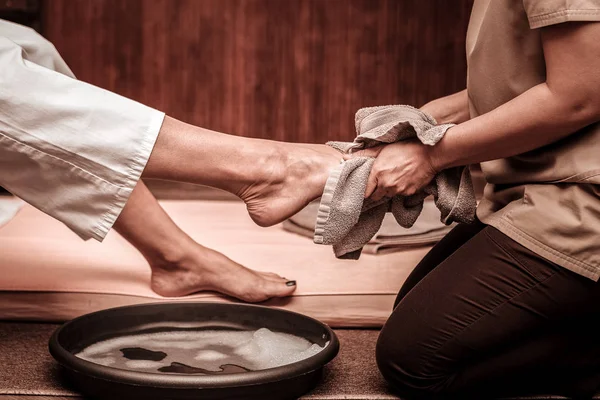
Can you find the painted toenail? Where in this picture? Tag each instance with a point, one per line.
(291, 283)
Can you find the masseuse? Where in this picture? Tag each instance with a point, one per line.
(511, 304)
(77, 152)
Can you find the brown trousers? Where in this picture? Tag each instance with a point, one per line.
(483, 317)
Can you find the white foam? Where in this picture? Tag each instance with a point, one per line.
(209, 349)
(209, 355)
(143, 364)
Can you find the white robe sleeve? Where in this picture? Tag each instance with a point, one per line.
(68, 148)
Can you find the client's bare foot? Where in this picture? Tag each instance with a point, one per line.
(206, 269)
(292, 176)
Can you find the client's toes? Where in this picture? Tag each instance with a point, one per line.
(271, 275)
(280, 288)
(208, 270)
(261, 289)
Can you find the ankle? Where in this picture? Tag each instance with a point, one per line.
(268, 162)
(171, 256)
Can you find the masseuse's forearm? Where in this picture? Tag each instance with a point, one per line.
(534, 119)
(449, 109)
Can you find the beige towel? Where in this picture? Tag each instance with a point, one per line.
(390, 238)
(347, 221)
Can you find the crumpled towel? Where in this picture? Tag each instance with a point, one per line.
(390, 238)
(348, 221)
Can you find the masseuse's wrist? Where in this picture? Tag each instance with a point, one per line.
(439, 158)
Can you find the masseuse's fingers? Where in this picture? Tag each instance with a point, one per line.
(379, 193)
(371, 185)
(370, 152)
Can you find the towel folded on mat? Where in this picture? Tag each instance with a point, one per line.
(390, 238)
(348, 221)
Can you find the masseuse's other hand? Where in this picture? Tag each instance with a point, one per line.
(400, 169)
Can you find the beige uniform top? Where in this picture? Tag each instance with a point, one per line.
(548, 199)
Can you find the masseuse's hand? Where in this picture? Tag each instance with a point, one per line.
(400, 169)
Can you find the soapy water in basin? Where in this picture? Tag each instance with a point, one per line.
(206, 352)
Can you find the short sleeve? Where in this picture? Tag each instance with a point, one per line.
(542, 13)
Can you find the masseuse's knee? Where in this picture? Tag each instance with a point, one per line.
(407, 365)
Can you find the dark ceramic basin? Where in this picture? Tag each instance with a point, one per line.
(283, 382)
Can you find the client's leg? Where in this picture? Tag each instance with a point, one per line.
(492, 318)
(181, 266)
(274, 179)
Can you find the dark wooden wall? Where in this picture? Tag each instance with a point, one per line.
(24, 12)
(293, 70)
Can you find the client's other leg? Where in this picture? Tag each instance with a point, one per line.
(181, 266)
(274, 179)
